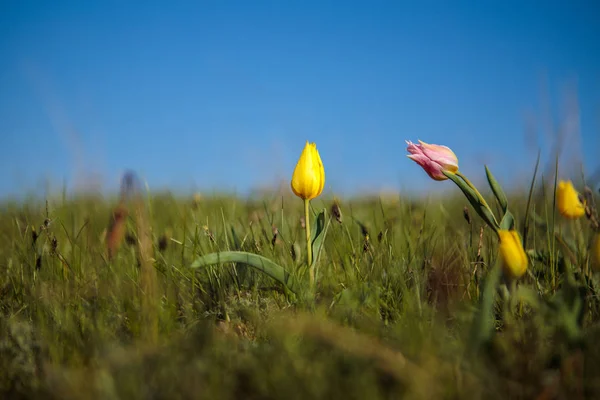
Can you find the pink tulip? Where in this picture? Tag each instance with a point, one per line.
(433, 158)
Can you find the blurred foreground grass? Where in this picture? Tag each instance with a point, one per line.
(398, 285)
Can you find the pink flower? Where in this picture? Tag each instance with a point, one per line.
(433, 158)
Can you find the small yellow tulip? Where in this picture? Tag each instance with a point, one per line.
(309, 176)
(568, 201)
(514, 258)
(595, 252)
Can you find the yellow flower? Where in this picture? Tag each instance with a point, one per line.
(568, 201)
(595, 252)
(514, 258)
(309, 176)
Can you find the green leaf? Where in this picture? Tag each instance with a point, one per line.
(319, 232)
(480, 208)
(508, 221)
(497, 189)
(483, 326)
(318, 226)
(256, 261)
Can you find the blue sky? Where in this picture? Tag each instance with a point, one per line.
(224, 94)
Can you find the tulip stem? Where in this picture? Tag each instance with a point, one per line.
(308, 243)
(468, 182)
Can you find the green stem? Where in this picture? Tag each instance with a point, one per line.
(468, 182)
(308, 243)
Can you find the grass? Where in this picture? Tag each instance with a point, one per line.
(399, 286)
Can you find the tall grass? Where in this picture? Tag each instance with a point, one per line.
(399, 285)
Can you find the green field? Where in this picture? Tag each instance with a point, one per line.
(400, 308)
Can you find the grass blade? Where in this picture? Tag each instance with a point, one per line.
(529, 198)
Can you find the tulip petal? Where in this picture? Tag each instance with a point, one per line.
(431, 168)
(434, 159)
(440, 154)
(308, 178)
(568, 201)
(513, 256)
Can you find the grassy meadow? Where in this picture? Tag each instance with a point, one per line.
(104, 298)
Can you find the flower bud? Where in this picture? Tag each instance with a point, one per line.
(308, 179)
(513, 256)
(433, 158)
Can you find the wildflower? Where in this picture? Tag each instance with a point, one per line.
(514, 258)
(308, 179)
(433, 158)
(595, 252)
(307, 183)
(569, 202)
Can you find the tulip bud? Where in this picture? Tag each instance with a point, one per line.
(308, 179)
(568, 201)
(433, 158)
(513, 256)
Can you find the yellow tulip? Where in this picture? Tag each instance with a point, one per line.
(513, 256)
(309, 176)
(568, 201)
(595, 252)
